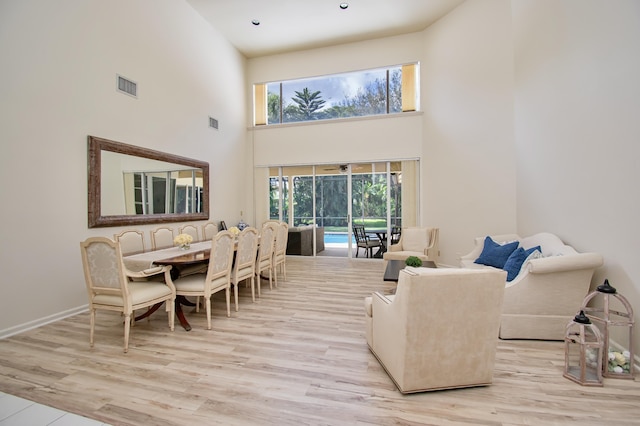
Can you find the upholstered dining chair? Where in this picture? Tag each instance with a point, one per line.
(265, 253)
(209, 230)
(217, 278)
(110, 288)
(131, 241)
(162, 237)
(190, 230)
(245, 263)
(280, 251)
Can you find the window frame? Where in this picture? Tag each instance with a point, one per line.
(409, 88)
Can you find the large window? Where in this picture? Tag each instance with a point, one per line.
(372, 92)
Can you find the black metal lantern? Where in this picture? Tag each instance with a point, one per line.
(613, 315)
(583, 352)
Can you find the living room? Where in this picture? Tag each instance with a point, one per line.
(527, 124)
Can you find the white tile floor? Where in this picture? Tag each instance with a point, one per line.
(19, 412)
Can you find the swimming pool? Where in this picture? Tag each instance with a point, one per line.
(336, 237)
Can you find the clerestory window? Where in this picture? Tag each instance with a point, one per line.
(388, 90)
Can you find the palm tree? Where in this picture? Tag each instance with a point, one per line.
(308, 103)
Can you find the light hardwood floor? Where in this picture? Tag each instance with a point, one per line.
(297, 356)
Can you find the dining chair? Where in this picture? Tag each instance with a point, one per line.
(280, 251)
(110, 288)
(265, 254)
(245, 262)
(209, 230)
(190, 230)
(131, 241)
(217, 278)
(363, 241)
(396, 233)
(162, 237)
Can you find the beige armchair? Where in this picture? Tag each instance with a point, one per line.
(244, 267)
(131, 241)
(217, 278)
(264, 260)
(280, 251)
(439, 330)
(419, 242)
(162, 237)
(190, 229)
(110, 285)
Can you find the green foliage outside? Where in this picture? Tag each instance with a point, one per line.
(369, 191)
(308, 104)
(368, 205)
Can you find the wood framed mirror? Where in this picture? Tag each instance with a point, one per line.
(130, 185)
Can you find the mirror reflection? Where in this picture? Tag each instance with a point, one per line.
(133, 185)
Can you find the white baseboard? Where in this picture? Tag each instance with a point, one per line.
(21, 328)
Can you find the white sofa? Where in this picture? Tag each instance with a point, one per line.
(439, 330)
(547, 292)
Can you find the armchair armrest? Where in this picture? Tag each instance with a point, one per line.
(156, 270)
(151, 272)
(572, 262)
(384, 299)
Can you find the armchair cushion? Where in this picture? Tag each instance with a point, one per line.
(496, 254)
(415, 239)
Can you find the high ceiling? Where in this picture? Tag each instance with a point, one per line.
(289, 25)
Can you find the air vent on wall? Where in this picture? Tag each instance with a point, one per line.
(127, 86)
(213, 123)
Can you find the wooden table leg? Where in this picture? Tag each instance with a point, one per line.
(178, 310)
(181, 318)
(149, 311)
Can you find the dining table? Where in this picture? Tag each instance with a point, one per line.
(178, 258)
(381, 234)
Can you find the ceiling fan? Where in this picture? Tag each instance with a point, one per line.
(343, 168)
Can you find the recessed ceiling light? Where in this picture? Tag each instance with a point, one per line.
(343, 6)
(255, 22)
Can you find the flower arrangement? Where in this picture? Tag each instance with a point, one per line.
(414, 261)
(619, 361)
(183, 241)
(234, 230)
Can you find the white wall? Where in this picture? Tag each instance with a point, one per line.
(577, 125)
(59, 66)
(344, 141)
(469, 167)
(466, 130)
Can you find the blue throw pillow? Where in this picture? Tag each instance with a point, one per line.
(515, 261)
(494, 254)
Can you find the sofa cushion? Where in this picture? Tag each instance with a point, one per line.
(516, 260)
(495, 254)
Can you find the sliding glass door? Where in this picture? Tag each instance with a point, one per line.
(336, 196)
